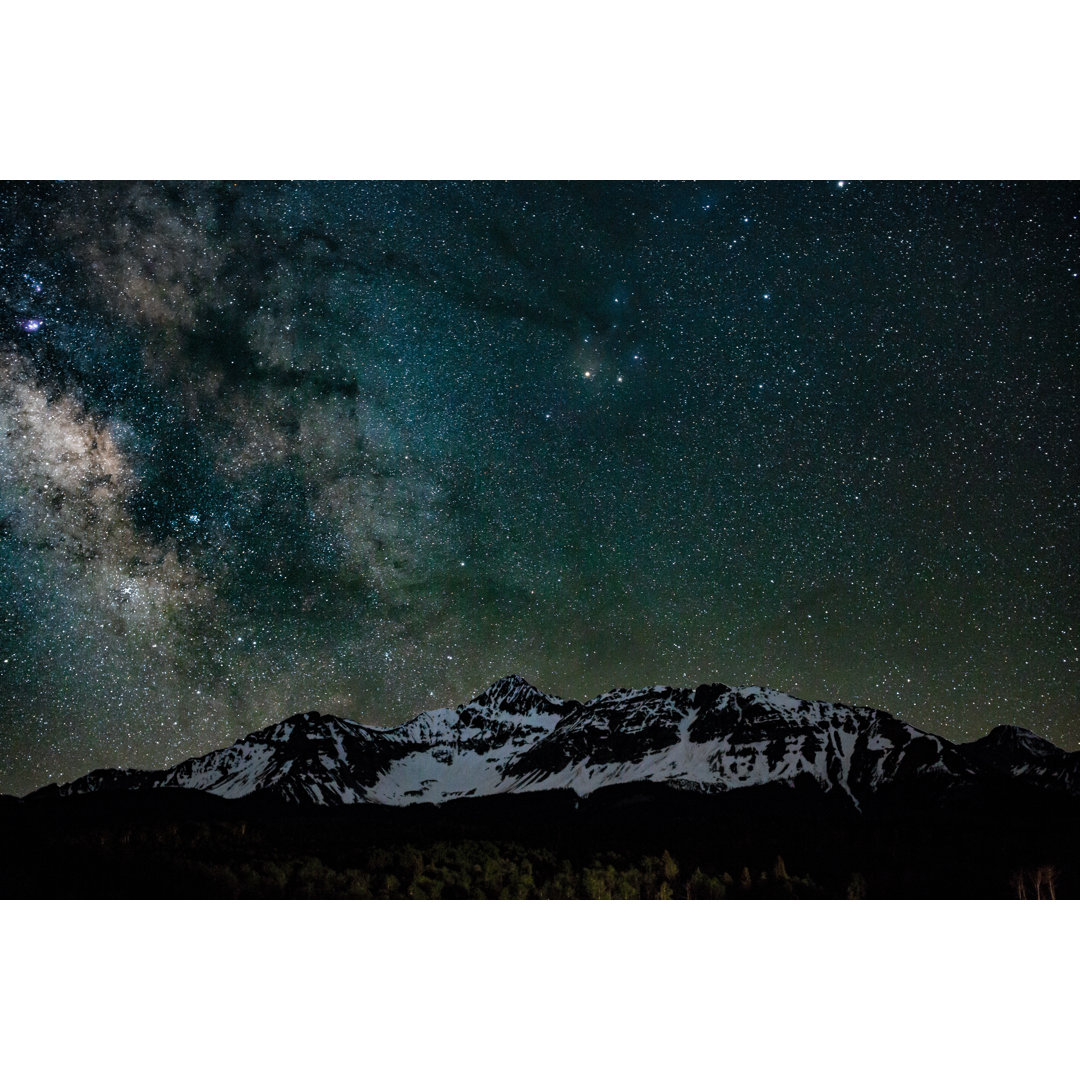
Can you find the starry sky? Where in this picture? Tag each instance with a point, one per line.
(365, 448)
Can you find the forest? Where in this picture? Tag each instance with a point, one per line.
(635, 844)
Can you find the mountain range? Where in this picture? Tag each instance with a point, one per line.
(512, 738)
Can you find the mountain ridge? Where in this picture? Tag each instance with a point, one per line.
(513, 738)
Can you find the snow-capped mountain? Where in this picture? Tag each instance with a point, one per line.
(513, 738)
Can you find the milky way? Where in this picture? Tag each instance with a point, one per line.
(366, 448)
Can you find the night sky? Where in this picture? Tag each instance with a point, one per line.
(365, 448)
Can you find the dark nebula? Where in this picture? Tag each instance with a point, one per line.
(364, 448)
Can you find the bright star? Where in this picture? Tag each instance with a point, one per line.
(31, 325)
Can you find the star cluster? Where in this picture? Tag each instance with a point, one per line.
(364, 448)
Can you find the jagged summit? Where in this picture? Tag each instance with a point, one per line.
(513, 738)
(304, 717)
(510, 683)
(515, 694)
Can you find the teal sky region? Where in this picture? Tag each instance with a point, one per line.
(365, 448)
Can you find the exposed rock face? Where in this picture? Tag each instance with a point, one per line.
(1019, 753)
(514, 738)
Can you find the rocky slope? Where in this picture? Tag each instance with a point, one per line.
(513, 738)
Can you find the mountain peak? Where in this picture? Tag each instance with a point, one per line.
(1009, 738)
(512, 682)
(303, 717)
(1012, 731)
(512, 693)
